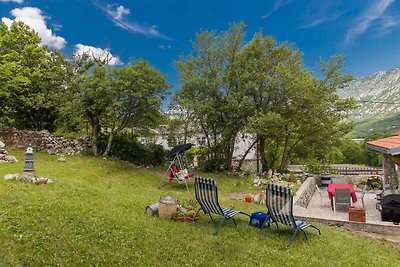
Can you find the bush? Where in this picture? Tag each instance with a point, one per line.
(212, 165)
(129, 149)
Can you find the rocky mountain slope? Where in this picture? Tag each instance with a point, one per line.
(378, 99)
(377, 95)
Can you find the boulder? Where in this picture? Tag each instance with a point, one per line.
(11, 159)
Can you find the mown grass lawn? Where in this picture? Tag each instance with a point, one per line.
(94, 214)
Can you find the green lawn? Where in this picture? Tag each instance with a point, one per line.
(94, 214)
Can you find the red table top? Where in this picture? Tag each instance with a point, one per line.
(331, 190)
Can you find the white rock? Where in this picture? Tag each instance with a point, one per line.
(11, 176)
(11, 159)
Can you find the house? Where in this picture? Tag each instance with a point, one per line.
(389, 147)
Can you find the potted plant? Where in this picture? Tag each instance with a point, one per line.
(191, 215)
(178, 216)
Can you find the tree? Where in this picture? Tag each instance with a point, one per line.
(136, 93)
(210, 89)
(31, 76)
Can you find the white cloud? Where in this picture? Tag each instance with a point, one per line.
(389, 22)
(98, 53)
(278, 4)
(33, 17)
(119, 12)
(12, 1)
(362, 23)
(314, 22)
(57, 27)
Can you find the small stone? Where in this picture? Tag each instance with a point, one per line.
(62, 159)
(11, 159)
(51, 151)
(11, 176)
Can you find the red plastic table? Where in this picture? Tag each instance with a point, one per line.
(332, 187)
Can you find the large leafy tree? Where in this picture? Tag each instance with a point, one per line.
(114, 98)
(210, 89)
(30, 78)
(293, 111)
(264, 88)
(136, 93)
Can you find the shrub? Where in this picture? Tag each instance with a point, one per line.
(129, 149)
(212, 165)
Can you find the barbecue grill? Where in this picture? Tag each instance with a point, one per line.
(388, 203)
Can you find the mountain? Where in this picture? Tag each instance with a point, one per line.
(378, 99)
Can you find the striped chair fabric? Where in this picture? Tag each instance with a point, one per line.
(207, 196)
(280, 207)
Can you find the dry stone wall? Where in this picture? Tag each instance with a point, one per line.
(305, 192)
(43, 140)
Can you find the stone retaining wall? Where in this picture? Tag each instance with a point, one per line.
(305, 192)
(43, 140)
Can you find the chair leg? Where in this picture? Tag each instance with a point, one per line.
(234, 221)
(197, 213)
(363, 204)
(209, 214)
(219, 225)
(319, 231)
(293, 236)
(305, 234)
(277, 227)
(334, 206)
(187, 188)
(162, 182)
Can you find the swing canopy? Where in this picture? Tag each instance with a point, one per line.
(177, 150)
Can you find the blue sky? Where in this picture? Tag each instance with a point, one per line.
(366, 31)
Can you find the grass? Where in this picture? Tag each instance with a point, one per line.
(94, 214)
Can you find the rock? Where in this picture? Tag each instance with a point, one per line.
(51, 151)
(25, 177)
(2, 145)
(257, 198)
(11, 176)
(11, 159)
(40, 180)
(62, 159)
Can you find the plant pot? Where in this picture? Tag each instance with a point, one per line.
(178, 219)
(247, 199)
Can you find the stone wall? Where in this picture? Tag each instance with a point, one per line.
(305, 192)
(43, 140)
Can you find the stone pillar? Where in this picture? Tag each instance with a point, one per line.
(389, 172)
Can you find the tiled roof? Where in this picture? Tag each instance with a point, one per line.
(389, 145)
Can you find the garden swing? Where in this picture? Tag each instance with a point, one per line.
(177, 169)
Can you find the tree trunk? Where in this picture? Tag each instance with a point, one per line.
(245, 154)
(109, 143)
(95, 124)
(229, 153)
(284, 154)
(262, 154)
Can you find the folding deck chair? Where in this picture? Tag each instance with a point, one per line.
(207, 195)
(280, 207)
(177, 169)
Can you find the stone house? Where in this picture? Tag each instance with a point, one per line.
(389, 147)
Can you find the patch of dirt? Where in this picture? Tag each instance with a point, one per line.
(379, 237)
(235, 196)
